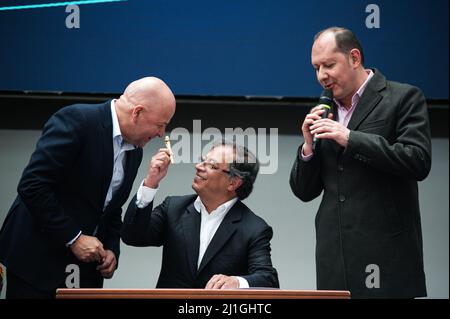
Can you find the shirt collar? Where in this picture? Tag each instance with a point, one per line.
(221, 210)
(359, 93)
(116, 133)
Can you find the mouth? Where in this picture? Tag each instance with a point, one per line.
(199, 178)
(329, 86)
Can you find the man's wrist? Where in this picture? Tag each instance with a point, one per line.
(148, 183)
(307, 149)
(70, 243)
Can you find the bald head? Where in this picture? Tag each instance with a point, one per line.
(150, 92)
(144, 110)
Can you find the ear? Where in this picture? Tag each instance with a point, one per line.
(136, 112)
(355, 58)
(235, 183)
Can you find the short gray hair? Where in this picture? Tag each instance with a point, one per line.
(245, 166)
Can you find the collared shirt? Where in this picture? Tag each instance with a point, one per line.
(344, 115)
(119, 147)
(210, 222)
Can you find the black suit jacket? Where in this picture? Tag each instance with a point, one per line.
(62, 191)
(240, 247)
(369, 214)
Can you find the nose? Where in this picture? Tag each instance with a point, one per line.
(322, 75)
(200, 166)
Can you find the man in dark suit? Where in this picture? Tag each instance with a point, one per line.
(368, 228)
(210, 240)
(67, 215)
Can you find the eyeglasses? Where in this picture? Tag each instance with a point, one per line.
(211, 164)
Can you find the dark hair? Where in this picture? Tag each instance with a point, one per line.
(346, 40)
(245, 165)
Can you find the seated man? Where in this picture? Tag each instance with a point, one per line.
(211, 240)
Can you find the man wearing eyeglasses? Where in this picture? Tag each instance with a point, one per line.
(210, 240)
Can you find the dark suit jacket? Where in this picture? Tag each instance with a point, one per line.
(62, 191)
(369, 212)
(240, 247)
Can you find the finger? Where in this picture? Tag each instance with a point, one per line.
(210, 284)
(165, 151)
(108, 271)
(314, 116)
(220, 281)
(105, 265)
(324, 136)
(321, 129)
(101, 253)
(317, 110)
(162, 160)
(107, 274)
(162, 155)
(326, 120)
(228, 285)
(218, 284)
(212, 281)
(322, 122)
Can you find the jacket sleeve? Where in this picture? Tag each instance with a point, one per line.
(55, 154)
(144, 226)
(410, 155)
(305, 179)
(260, 269)
(112, 239)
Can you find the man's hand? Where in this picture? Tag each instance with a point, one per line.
(329, 129)
(88, 249)
(222, 282)
(108, 265)
(314, 115)
(157, 168)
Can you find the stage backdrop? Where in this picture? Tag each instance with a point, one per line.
(214, 47)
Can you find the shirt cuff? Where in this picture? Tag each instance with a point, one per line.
(145, 195)
(243, 283)
(304, 157)
(73, 240)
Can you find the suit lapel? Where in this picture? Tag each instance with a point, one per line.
(106, 155)
(129, 173)
(191, 230)
(369, 100)
(223, 233)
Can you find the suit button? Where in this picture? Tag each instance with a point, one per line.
(341, 198)
(340, 168)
